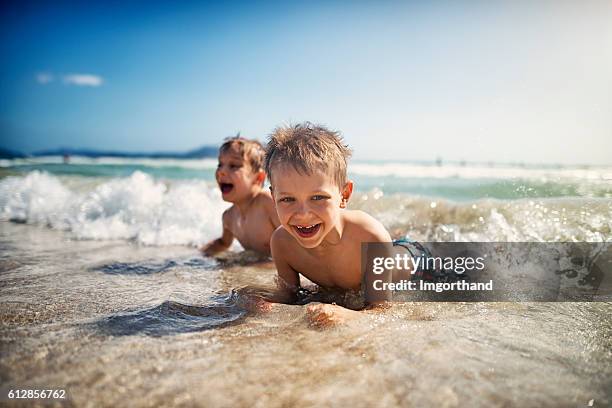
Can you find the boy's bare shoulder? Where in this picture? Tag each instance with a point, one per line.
(264, 198)
(281, 238)
(229, 214)
(366, 227)
(283, 244)
(265, 201)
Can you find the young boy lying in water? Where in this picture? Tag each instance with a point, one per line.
(240, 176)
(319, 238)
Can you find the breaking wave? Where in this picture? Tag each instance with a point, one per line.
(137, 207)
(154, 211)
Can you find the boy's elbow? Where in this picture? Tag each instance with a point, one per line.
(214, 247)
(208, 249)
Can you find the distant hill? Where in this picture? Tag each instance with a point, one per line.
(10, 154)
(202, 152)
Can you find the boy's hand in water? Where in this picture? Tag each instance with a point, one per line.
(213, 247)
(252, 301)
(323, 315)
(255, 304)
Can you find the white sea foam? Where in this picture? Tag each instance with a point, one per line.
(137, 208)
(406, 170)
(188, 212)
(487, 220)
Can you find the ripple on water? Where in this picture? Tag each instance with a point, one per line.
(172, 317)
(150, 268)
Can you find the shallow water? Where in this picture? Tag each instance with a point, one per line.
(103, 294)
(116, 323)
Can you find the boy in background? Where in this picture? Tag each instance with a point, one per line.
(252, 217)
(319, 237)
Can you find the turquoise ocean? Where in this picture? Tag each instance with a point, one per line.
(158, 202)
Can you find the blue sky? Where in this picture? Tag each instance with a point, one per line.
(477, 81)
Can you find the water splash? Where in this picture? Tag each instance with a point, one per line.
(137, 208)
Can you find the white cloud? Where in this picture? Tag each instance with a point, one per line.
(44, 78)
(83, 80)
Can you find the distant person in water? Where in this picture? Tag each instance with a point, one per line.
(319, 237)
(240, 176)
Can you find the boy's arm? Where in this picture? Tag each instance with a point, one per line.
(220, 244)
(288, 280)
(376, 232)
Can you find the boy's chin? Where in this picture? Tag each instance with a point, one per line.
(309, 243)
(228, 199)
(234, 197)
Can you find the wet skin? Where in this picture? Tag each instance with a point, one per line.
(319, 238)
(252, 218)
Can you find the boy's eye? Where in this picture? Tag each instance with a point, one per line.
(232, 166)
(319, 197)
(286, 199)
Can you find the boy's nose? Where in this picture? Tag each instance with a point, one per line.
(302, 210)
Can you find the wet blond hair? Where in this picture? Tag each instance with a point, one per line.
(250, 150)
(308, 147)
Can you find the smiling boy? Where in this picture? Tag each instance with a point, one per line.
(240, 177)
(319, 237)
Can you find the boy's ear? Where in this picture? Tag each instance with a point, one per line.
(347, 191)
(261, 177)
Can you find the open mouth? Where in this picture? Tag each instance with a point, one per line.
(307, 231)
(226, 187)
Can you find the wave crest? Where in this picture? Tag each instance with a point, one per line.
(137, 208)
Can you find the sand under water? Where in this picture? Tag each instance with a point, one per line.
(118, 324)
(104, 294)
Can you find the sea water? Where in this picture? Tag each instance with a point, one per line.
(104, 294)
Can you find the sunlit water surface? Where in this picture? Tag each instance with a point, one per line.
(119, 324)
(103, 294)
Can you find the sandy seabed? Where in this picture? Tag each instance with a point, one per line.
(117, 324)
